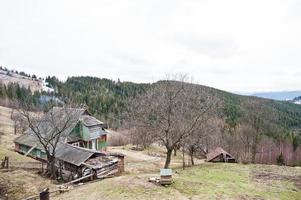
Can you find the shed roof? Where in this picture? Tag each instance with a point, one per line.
(215, 153)
(72, 154)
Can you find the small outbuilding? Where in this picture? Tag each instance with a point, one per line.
(220, 155)
(165, 176)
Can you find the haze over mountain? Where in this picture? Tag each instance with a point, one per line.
(278, 95)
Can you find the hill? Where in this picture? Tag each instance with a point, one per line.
(204, 181)
(240, 122)
(24, 80)
(107, 98)
(272, 126)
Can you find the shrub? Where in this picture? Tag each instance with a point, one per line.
(280, 159)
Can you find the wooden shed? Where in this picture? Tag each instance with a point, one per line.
(165, 176)
(220, 155)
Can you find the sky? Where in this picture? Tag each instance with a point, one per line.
(233, 45)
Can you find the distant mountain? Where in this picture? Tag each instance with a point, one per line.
(297, 100)
(282, 96)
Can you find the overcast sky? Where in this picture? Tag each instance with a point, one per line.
(234, 45)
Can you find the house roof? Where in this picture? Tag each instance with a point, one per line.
(29, 140)
(57, 118)
(90, 121)
(96, 133)
(215, 153)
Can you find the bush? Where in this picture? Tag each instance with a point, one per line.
(280, 159)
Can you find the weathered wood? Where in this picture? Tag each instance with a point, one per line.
(26, 165)
(7, 161)
(79, 179)
(109, 173)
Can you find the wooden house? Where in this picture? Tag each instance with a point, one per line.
(85, 131)
(220, 155)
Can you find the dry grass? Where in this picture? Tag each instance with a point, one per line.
(206, 181)
(16, 183)
(149, 160)
(21, 184)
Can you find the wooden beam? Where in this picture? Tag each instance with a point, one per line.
(79, 179)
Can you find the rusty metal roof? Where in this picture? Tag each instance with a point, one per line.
(215, 153)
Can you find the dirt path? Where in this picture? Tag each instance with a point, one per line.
(137, 155)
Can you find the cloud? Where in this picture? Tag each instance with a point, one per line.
(213, 46)
(232, 45)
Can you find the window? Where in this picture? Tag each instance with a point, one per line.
(76, 144)
(38, 152)
(94, 142)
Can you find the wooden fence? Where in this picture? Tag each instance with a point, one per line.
(8, 164)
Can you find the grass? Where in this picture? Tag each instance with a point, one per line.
(229, 181)
(18, 184)
(206, 181)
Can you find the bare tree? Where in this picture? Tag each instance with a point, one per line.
(20, 123)
(196, 141)
(258, 126)
(171, 111)
(49, 129)
(141, 137)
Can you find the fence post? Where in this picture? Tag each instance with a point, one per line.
(3, 162)
(7, 161)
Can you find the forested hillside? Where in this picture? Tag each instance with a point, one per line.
(107, 100)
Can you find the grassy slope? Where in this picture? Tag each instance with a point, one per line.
(207, 181)
(7, 136)
(17, 183)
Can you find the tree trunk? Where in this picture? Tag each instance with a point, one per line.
(191, 156)
(175, 152)
(51, 166)
(168, 158)
(15, 128)
(254, 149)
(183, 151)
